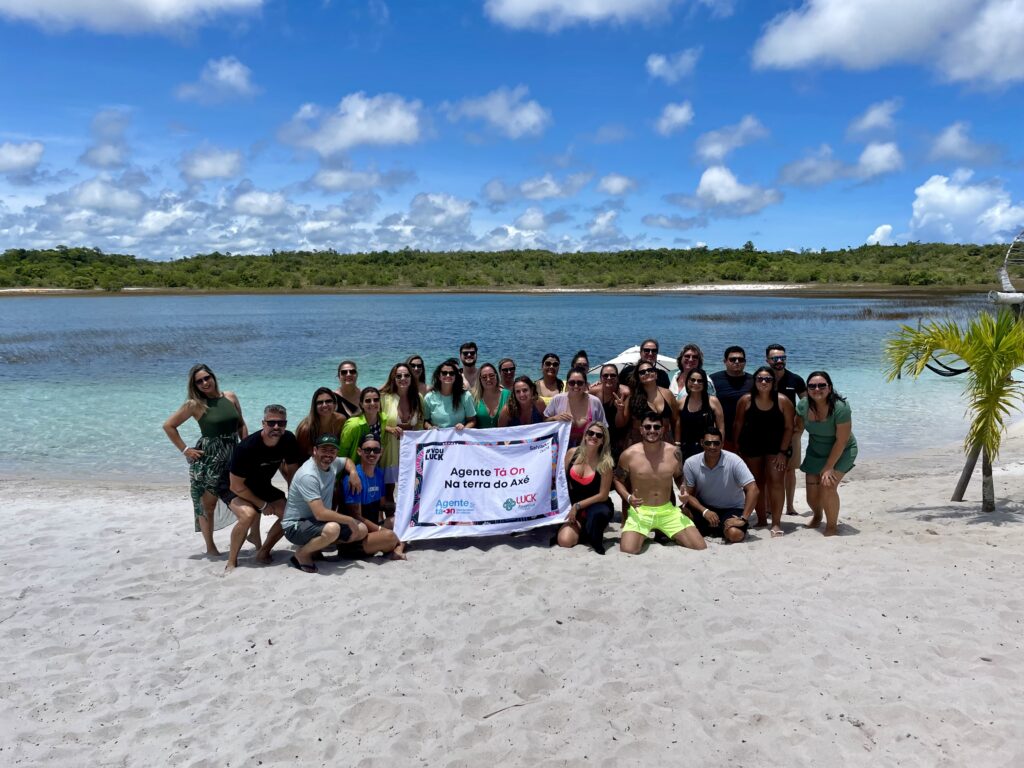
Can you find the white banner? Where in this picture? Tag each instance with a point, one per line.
(481, 482)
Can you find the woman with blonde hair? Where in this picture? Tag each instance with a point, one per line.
(489, 397)
(219, 415)
(402, 406)
(588, 470)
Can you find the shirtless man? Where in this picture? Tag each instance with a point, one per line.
(644, 479)
(467, 356)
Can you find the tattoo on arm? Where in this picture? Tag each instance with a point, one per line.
(622, 474)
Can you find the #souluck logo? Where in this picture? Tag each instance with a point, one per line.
(433, 454)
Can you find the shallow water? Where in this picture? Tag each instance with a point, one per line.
(89, 381)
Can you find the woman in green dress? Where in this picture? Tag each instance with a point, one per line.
(489, 397)
(220, 421)
(831, 448)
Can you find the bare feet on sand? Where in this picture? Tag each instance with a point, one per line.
(814, 522)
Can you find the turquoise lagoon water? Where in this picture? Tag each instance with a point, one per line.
(88, 381)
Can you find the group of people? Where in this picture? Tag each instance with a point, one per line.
(686, 466)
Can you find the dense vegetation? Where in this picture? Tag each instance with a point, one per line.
(914, 264)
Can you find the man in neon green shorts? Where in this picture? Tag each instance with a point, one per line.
(644, 478)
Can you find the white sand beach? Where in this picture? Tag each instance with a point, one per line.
(897, 643)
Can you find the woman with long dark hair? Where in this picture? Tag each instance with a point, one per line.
(219, 415)
(646, 397)
(419, 372)
(690, 356)
(698, 411)
(322, 419)
(448, 404)
(347, 393)
(831, 448)
(369, 422)
(614, 397)
(763, 430)
(524, 406)
(576, 406)
(549, 385)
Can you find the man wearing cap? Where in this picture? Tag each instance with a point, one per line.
(247, 484)
(721, 489)
(309, 522)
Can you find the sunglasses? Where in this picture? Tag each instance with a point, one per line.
(695, 380)
(821, 385)
(324, 402)
(203, 379)
(371, 400)
(649, 351)
(576, 383)
(370, 451)
(737, 359)
(275, 422)
(418, 366)
(469, 353)
(712, 443)
(447, 374)
(594, 434)
(651, 427)
(550, 365)
(763, 379)
(646, 371)
(779, 358)
(348, 372)
(609, 375)
(691, 357)
(509, 370)
(403, 376)
(489, 377)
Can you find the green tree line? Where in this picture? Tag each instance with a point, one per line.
(914, 264)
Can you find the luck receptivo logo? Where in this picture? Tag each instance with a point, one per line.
(525, 500)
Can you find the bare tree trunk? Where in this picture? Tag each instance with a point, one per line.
(988, 493)
(965, 476)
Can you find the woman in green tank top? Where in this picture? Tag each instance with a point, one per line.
(221, 426)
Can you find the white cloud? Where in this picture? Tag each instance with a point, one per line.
(955, 210)
(436, 210)
(979, 41)
(221, 80)
(157, 222)
(121, 15)
(435, 220)
(878, 118)
(343, 178)
(881, 236)
(547, 186)
(103, 195)
(211, 163)
(20, 158)
(714, 146)
(616, 184)
(358, 119)
(674, 117)
(534, 219)
(556, 14)
(257, 202)
(879, 158)
(108, 149)
(604, 233)
(674, 221)
(720, 193)
(673, 67)
(813, 170)
(611, 133)
(506, 110)
(955, 143)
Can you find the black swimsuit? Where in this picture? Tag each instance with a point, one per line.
(693, 425)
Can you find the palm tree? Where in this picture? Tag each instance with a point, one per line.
(992, 346)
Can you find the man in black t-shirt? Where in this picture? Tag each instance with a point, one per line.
(648, 354)
(793, 387)
(246, 485)
(730, 385)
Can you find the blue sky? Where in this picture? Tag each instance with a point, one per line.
(168, 129)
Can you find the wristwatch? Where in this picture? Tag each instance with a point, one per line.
(788, 453)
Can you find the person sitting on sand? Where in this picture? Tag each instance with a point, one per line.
(365, 503)
(644, 478)
(309, 521)
(246, 485)
(722, 491)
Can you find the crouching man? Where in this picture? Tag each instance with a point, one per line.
(721, 490)
(309, 522)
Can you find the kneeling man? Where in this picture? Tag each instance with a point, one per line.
(721, 488)
(309, 522)
(644, 478)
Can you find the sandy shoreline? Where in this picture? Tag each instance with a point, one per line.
(896, 643)
(810, 290)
